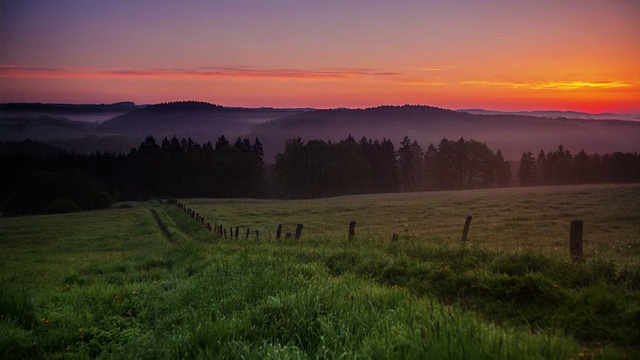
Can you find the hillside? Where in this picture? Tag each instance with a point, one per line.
(78, 112)
(145, 280)
(199, 120)
(558, 114)
(513, 134)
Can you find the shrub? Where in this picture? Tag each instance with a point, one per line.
(41, 189)
(62, 206)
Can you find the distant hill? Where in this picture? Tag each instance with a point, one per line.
(77, 112)
(199, 120)
(557, 114)
(513, 134)
(70, 108)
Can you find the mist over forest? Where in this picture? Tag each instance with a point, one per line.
(203, 122)
(197, 149)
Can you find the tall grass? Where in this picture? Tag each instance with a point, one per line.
(148, 282)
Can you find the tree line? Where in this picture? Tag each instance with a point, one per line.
(41, 178)
(320, 168)
(560, 167)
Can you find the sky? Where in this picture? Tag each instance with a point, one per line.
(581, 55)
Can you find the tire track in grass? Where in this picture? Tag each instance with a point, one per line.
(165, 231)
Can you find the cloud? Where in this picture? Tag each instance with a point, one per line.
(553, 85)
(424, 83)
(240, 72)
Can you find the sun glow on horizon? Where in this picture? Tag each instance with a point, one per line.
(331, 55)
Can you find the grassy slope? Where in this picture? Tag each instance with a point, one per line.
(148, 282)
(515, 219)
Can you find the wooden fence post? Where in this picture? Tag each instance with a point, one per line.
(465, 231)
(352, 230)
(575, 240)
(257, 234)
(225, 233)
(279, 232)
(237, 232)
(298, 231)
(246, 237)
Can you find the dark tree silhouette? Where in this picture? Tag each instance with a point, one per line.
(528, 169)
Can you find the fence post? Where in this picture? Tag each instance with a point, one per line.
(257, 234)
(246, 237)
(298, 231)
(225, 233)
(279, 232)
(465, 231)
(352, 230)
(575, 240)
(237, 232)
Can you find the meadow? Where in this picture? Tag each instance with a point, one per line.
(144, 280)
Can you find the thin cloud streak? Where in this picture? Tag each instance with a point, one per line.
(425, 83)
(241, 72)
(553, 85)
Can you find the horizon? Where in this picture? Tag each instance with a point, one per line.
(328, 108)
(525, 56)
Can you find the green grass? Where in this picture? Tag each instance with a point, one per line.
(148, 282)
(521, 220)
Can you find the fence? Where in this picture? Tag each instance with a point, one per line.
(218, 231)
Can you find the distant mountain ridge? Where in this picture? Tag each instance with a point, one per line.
(123, 106)
(513, 134)
(557, 114)
(201, 121)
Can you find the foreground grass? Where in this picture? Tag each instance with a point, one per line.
(148, 282)
(145, 283)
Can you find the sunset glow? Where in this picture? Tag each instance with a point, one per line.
(526, 55)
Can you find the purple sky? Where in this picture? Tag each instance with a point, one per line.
(581, 55)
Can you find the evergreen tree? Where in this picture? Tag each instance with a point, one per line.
(406, 164)
(528, 169)
(503, 170)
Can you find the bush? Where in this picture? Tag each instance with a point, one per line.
(40, 190)
(62, 206)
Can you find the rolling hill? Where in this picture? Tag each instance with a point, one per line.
(199, 120)
(513, 134)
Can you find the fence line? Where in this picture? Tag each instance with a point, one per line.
(575, 232)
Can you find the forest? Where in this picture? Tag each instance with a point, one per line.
(45, 179)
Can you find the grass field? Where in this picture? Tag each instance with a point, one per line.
(515, 219)
(149, 282)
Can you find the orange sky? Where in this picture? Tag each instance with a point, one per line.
(503, 55)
